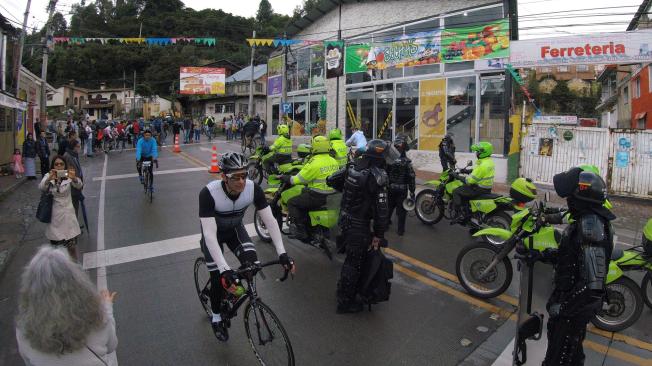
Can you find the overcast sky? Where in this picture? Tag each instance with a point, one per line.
(538, 18)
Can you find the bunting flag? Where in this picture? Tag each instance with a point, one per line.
(260, 42)
(155, 41)
(280, 42)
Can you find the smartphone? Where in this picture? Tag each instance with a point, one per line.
(62, 174)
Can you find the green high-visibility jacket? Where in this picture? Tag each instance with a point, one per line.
(483, 173)
(315, 172)
(341, 151)
(282, 145)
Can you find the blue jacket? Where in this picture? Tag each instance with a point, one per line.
(146, 149)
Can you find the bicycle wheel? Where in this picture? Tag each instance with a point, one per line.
(267, 337)
(203, 285)
(145, 180)
(150, 187)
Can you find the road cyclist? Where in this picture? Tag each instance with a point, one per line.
(146, 150)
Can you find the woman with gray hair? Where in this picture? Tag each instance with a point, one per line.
(62, 319)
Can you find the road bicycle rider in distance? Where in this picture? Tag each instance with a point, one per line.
(146, 150)
(222, 205)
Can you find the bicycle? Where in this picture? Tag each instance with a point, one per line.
(148, 177)
(248, 142)
(266, 325)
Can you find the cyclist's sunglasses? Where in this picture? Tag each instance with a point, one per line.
(234, 177)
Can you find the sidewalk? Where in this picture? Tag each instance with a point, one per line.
(9, 183)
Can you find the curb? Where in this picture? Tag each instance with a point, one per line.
(4, 194)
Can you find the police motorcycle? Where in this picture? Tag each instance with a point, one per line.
(485, 271)
(322, 220)
(256, 171)
(436, 202)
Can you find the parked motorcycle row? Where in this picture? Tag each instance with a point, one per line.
(507, 226)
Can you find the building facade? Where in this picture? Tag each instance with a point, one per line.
(641, 94)
(422, 99)
(616, 100)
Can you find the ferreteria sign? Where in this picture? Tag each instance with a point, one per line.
(607, 48)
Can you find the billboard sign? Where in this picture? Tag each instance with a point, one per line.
(275, 75)
(606, 48)
(202, 80)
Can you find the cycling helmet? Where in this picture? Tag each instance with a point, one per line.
(283, 130)
(232, 161)
(335, 134)
(590, 168)
(147, 130)
(523, 190)
(320, 145)
(482, 149)
(303, 150)
(375, 149)
(647, 237)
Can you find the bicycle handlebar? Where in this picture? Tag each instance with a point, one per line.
(255, 267)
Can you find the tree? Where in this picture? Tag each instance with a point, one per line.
(265, 12)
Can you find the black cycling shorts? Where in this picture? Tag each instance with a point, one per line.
(238, 242)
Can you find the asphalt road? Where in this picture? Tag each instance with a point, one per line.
(145, 251)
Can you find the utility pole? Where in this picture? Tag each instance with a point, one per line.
(44, 66)
(337, 90)
(284, 81)
(133, 101)
(19, 59)
(251, 80)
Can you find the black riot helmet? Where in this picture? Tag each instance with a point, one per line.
(401, 144)
(591, 188)
(376, 149)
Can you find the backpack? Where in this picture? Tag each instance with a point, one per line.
(377, 271)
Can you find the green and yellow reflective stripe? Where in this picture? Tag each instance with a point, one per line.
(318, 190)
(301, 178)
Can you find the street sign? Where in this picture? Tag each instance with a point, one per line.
(286, 107)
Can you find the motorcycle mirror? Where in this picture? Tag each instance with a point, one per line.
(469, 163)
(546, 197)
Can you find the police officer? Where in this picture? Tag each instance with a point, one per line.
(364, 186)
(313, 175)
(479, 182)
(338, 146)
(281, 150)
(401, 179)
(447, 152)
(580, 263)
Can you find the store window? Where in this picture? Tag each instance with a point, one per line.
(225, 108)
(360, 110)
(384, 108)
(317, 122)
(299, 112)
(303, 68)
(492, 112)
(422, 70)
(317, 72)
(358, 77)
(292, 72)
(461, 111)
(459, 66)
(407, 111)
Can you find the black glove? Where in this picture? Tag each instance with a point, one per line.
(286, 261)
(228, 278)
(287, 179)
(465, 171)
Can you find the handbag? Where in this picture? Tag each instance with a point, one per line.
(44, 209)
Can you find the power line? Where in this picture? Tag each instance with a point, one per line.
(9, 12)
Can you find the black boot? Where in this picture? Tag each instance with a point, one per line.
(349, 307)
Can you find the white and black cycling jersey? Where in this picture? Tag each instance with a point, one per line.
(228, 210)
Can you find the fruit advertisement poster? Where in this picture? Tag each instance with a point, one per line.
(476, 42)
(432, 113)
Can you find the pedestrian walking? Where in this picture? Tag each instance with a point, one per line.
(89, 141)
(197, 130)
(29, 157)
(43, 152)
(63, 228)
(62, 319)
(263, 132)
(227, 128)
(176, 129)
(72, 160)
(19, 169)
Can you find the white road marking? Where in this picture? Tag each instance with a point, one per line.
(101, 271)
(110, 257)
(157, 172)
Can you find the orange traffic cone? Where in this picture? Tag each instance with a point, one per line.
(177, 148)
(214, 168)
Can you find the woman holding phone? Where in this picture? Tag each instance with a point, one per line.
(63, 229)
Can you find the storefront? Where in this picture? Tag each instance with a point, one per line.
(420, 79)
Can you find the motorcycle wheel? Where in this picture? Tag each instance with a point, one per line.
(499, 220)
(623, 308)
(427, 208)
(255, 173)
(261, 230)
(646, 288)
(472, 261)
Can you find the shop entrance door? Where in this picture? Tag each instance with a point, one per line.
(384, 106)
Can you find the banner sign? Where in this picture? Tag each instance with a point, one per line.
(476, 42)
(607, 48)
(202, 80)
(274, 75)
(432, 113)
(556, 120)
(334, 59)
(484, 41)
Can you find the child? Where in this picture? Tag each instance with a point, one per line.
(19, 170)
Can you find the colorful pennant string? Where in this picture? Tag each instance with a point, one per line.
(157, 41)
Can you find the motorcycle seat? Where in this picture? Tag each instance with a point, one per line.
(617, 254)
(487, 196)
